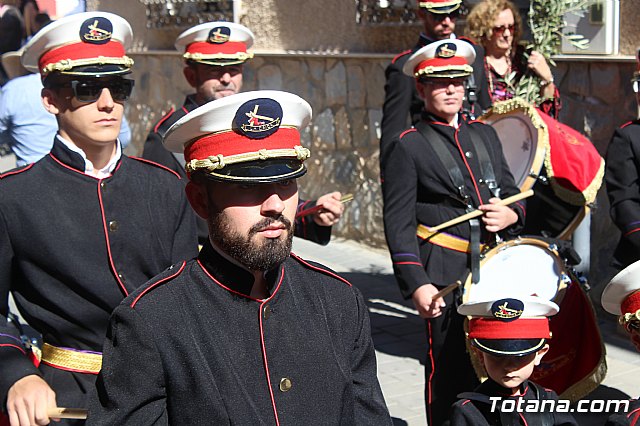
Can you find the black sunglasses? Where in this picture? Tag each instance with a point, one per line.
(90, 90)
(439, 17)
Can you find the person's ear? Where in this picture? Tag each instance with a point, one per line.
(191, 74)
(197, 196)
(541, 353)
(50, 101)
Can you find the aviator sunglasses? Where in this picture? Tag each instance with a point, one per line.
(90, 90)
(502, 28)
(439, 17)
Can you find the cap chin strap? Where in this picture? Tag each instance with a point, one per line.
(219, 161)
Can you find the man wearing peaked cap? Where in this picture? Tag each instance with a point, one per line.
(80, 228)
(402, 104)
(622, 175)
(214, 55)
(444, 167)
(510, 336)
(264, 336)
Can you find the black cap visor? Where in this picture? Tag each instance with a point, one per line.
(508, 347)
(259, 171)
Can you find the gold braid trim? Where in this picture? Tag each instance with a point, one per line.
(67, 64)
(73, 360)
(629, 317)
(431, 4)
(465, 70)
(197, 56)
(215, 162)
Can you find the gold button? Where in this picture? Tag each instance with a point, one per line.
(285, 384)
(113, 226)
(102, 184)
(121, 277)
(267, 311)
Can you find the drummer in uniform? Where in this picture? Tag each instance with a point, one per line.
(262, 336)
(622, 297)
(622, 178)
(85, 225)
(215, 54)
(438, 171)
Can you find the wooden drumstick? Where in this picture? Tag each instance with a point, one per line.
(448, 289)
(476, 213)
(344, 199)
(67, 413)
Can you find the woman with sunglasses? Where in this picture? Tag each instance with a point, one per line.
(497, 26)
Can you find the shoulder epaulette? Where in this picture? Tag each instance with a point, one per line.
(320, 268)
(153, 163)
(163, 119)
(400, 55)
(16, 171)
(161, 280)
(467, 39)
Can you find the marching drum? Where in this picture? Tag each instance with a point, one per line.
(574, 365)
(562, 166)
(524, 266)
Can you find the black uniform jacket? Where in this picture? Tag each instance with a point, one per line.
(622, 177)
(418, 190)
(192, 347)
(402, 105)
(472, 412)
(73, 246)
(154, 150)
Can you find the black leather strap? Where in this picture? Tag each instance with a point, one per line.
(443, 153)
(486, 168)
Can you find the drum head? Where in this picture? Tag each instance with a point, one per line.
(518, 126)
(511, 270)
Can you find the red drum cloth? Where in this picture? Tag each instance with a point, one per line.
(575, 364)
(573, 164)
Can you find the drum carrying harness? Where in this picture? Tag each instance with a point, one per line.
(488, 178)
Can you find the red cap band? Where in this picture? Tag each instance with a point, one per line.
(522, 328)
(631, 303)
(441, 62)
(228, 48)
(231, 143)
(76, 51)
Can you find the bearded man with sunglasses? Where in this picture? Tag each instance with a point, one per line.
(402, 104)
(444, 167)
(84, 226)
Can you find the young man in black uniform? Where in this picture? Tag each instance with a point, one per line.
(84, 226)
(510, 336)
(402, 105)
(437, 172)
(247, 333)
(622, 177)
(215, 53)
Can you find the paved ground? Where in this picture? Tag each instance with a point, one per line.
(398, 333)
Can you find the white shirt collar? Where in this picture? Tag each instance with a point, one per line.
(89, 169)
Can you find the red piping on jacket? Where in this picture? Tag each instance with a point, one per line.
(106, 237)
(324, 271)
(15, 172)
(154, 285)
(163, 119)
(153, 163)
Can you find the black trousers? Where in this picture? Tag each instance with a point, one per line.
(448, 368)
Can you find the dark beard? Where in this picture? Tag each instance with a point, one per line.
(252, 255)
